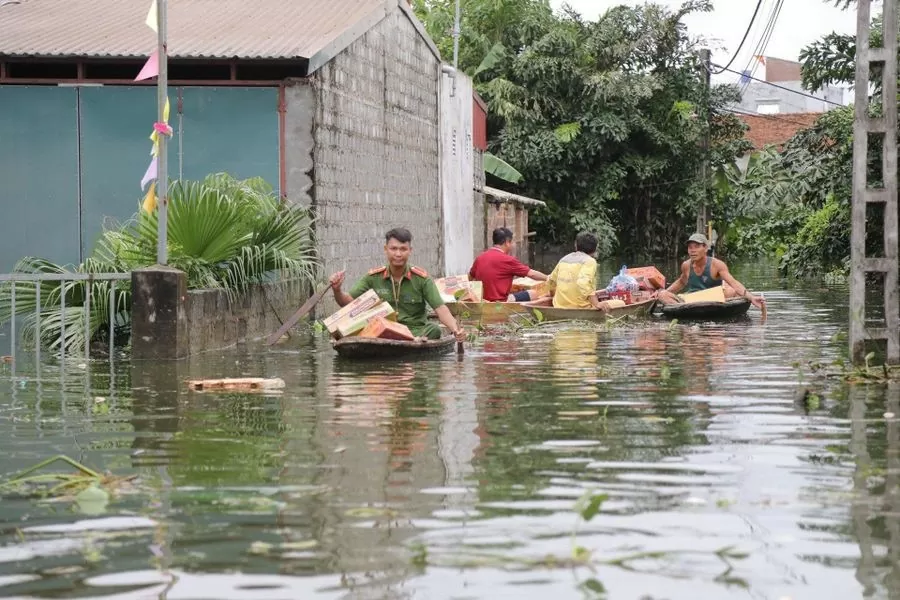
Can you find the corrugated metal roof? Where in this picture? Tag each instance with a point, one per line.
(249, 29)
(501, 196)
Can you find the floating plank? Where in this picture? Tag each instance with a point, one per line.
(242, 384)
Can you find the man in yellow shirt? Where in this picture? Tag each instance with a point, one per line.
(573, 281)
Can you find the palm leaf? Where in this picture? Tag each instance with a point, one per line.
(222, 232)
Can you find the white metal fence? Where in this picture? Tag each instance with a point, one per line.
(15, 283)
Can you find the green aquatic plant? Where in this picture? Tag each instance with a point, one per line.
(88, 488)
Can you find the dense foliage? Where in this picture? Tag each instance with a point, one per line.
(796, 203)
(604, 119)
(223, 233)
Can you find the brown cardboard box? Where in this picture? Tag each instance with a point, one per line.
(353, 325)
(379, 327)
(355, 308)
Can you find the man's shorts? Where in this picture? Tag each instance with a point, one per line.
(522, 296)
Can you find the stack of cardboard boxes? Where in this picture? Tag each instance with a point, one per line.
(368, 316)
(458, 288)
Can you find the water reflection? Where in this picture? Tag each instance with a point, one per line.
(448, 479)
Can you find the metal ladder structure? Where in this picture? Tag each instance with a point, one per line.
(865, 125)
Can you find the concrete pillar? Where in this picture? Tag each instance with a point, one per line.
(159, 314)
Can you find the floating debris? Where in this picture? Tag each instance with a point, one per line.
(89, 489)
(242, 384)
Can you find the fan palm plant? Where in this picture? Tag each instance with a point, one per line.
(223, 233)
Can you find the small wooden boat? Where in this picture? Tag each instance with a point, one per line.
(357, 347)
(487, 313)
(707, 311)
(551, 313)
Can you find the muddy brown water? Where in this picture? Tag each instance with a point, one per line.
(453, 479)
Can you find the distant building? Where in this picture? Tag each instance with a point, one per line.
(763, 98)
(773, 130)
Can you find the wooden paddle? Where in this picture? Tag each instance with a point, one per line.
(307, 306)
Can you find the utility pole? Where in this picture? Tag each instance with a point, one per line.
(456, 23)
(705, 67)
(162, 175)
(863, 127)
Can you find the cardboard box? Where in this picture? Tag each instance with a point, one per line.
(353, 325)
(458, 288)
(648, 277)
(379, 327)
(521, 284)
(714, 294)
(472, 292)
(352, 310)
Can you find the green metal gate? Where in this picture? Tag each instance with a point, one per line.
(71, 158)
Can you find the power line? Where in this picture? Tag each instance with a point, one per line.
(781, 87)
(763, 42)
(746, 33)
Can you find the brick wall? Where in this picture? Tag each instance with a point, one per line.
(376, 149)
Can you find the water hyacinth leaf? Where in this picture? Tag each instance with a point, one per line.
(593, 506)
(92, 500)
(594, 587)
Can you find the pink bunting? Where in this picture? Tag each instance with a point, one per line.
(151, 68)
(163, 128)
(151, 174)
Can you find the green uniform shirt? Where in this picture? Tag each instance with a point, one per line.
(416, 289)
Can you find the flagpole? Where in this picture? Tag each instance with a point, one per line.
(162, 176)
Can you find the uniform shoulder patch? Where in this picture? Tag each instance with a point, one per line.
(419, 271)
(377, 270)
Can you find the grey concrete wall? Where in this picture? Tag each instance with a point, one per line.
(377, 149)
(758, 93)
(479, 226)
(300, 109)
(214, 323)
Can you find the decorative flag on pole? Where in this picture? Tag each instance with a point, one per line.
(760, 59)
(154, 137)
(152, 18)
(151, 173)
(150, 69)
(149, 203)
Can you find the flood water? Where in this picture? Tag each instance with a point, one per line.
(457, 478)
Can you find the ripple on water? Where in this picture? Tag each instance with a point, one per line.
(455, 478)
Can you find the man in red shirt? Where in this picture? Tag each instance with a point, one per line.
(495, 268)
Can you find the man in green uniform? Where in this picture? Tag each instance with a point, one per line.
(407, 289)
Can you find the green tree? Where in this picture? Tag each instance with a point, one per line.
(603, 118)
(805, 218)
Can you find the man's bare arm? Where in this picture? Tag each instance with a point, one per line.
(678, 285)
(537, 275)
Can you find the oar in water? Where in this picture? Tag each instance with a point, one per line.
(307, 306)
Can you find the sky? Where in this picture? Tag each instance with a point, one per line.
(800, 22)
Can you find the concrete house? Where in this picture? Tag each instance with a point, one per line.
(336, 104)
(780, 90)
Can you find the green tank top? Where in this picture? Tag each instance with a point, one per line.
(697, 283)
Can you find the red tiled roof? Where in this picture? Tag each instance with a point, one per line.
(776, 129)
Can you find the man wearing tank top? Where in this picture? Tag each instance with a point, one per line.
(702, 272)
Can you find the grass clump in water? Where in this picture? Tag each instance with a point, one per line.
(89, 489)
